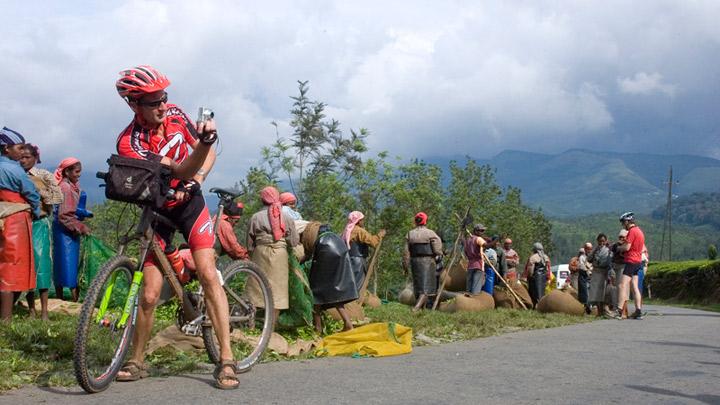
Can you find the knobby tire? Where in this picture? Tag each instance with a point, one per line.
(250, 269)
(86, 321)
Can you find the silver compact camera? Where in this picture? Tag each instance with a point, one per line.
(205, 114)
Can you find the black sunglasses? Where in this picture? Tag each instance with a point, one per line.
(154, 104)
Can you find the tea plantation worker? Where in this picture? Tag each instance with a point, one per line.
(584, 271)
(67, 229)
(359, 241)
(474, 250)
(19, 203)
(331, 277)
(537, 272)
(270, 231)
(423, 250)
(289, 203)
(512, 259)
(618, 265)
(228, 240)
(633, 247)
(601, 259)
(50, 195)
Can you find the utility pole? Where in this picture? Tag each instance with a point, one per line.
(667, 222)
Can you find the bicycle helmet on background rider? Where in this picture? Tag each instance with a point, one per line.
(140, 80)
(628, 216)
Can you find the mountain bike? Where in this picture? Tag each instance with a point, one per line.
(107, 317)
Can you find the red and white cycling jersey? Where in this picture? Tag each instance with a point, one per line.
(172, 139)
(177, 134)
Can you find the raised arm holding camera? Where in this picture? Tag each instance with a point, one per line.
(162, 132)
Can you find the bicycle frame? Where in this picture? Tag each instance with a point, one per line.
(145, 234)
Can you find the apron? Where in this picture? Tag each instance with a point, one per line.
(17, 264)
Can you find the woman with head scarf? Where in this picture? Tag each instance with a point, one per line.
(359, 241)
(229, 244)
(289, 203)
(537, 272)
(423, 251)
(50, 195)
(18, 201)
(67, 228)
(270, 231)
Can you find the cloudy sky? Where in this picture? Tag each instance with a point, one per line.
(427, 78)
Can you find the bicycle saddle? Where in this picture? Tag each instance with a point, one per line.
(224, 193)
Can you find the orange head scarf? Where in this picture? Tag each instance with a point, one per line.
(421, 218)
(271, 197)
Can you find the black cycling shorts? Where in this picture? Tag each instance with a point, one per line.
(632, 269)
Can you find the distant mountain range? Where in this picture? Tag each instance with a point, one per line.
(580, 182)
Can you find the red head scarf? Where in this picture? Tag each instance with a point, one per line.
(287, 198)
(271, 197)
(421, 218)
(67, 162)
(353, 219)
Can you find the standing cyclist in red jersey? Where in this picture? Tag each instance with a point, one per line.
(161, 132)
(633, 248)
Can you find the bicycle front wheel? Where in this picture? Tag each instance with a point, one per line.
(103, 335)
(250, 318)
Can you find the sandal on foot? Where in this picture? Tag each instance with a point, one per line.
(135, 371)
(226, 380)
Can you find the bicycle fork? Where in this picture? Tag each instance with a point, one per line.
(130, 301)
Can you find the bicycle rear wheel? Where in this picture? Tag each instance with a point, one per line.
(101, 344)
(254, 320)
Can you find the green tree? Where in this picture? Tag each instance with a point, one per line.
(712, 252)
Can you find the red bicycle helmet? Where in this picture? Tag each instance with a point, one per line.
(139, 80)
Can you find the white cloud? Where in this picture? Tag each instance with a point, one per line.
(643, 83)
(424, 78)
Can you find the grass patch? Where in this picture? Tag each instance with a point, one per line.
(450, 327)
(40, 353)
(675, 303)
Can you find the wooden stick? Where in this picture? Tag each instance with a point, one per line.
(371, 270)
(497, 274)
(446, 271)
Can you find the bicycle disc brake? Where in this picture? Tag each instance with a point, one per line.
(246, 309)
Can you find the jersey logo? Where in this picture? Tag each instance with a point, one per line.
(175, 140)
(207, 226)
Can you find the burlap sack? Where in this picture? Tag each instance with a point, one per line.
(371, 300)
(354, 309)
(64, 307)
(504, 299)
(568, 288)
(407, 296)
(469, 303)
(457, 276)
(562, 302)
(175, 338)
(309, 237)
(522, 292)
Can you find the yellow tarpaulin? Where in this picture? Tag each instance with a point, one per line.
(551, 284)
(375, 340)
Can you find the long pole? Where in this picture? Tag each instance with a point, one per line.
(670, 215)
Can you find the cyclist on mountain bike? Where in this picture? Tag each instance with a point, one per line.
(162, 132)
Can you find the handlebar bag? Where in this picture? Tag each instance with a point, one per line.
(137, 181)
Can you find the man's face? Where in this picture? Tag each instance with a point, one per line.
(15, 152)
(27, 160)
(626, 225)
(601, 241)
(151, 108)
(507, 246)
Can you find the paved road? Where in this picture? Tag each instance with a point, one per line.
(673, 357)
